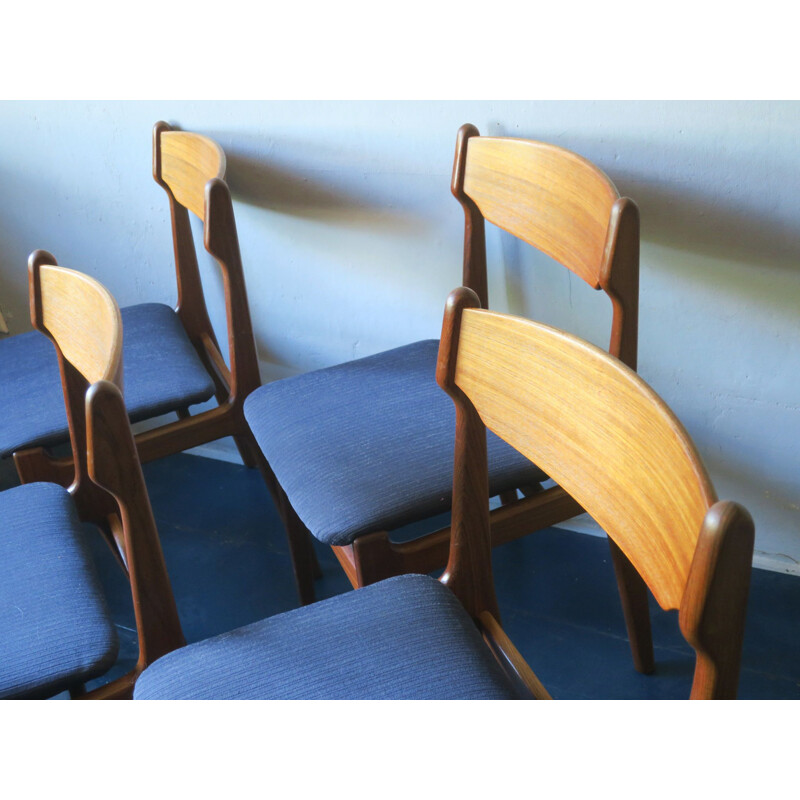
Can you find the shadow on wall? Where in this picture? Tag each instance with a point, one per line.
(731, 206)
(534, 279)
(14, 278)
(86, 228)
(13, 301)
(340, 188)
(259, 178)
(270, 187)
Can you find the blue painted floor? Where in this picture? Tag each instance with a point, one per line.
(228, 560)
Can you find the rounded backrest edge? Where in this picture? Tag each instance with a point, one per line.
(599, 431)
(80, 315)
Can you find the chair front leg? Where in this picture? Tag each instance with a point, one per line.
(247, 448)
(304, 560)
(633, 595)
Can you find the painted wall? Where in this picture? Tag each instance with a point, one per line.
(351, 242)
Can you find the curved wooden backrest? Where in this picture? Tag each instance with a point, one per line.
(82, 318)
(547, 196)
(187, 162)
(62, 300)
(596, 429)
(191, 169)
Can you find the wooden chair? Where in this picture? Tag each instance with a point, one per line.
(357, 450)
(405, 637)
(172, 358)
(611, 443)
(83, 321)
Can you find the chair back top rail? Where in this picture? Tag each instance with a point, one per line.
(596, 429)
(186, 162)
(549, 197)
(62, 301)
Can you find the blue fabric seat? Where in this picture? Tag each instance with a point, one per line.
(55, 629)
(368, 445)
(162, 373)
(403, 638)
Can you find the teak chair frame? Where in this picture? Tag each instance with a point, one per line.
(90, 357)
(547, 393)
(592, 231)
(82, 320)
(191, 170)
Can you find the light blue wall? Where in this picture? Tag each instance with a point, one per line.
(351, 242)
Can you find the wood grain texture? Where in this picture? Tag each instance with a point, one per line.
(188, 162)
(62, 301)
(599, 431)
(547, 196)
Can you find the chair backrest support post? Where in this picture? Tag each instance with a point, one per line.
(474, 270)
(469, 567)
(712, 612)
(619, 279)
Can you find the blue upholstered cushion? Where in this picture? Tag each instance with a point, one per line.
(404, 638)
(368, 445)
(162, 373)
(55, 630)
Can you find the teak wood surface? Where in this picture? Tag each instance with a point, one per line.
(191, 170)
(594, 425)
(563, 205)
(82, 320)
(609, 441)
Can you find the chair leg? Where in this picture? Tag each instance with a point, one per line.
(633, 595)
(304, 559)
(247, 449)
